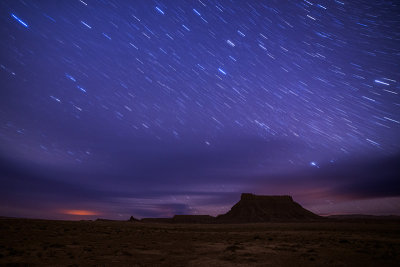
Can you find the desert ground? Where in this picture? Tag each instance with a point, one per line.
(82, 243)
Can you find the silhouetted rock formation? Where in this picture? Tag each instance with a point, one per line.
(133, 219)
(182, 219)
(156, 220)
(252, 208)
(193, 219)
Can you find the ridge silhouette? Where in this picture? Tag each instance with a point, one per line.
(251, 209)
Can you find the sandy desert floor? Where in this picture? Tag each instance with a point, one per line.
(70, 243)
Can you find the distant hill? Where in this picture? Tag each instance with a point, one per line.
(193, 219)
(182, 219)
(252, 208)
(364, 217)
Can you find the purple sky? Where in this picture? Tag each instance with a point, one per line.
(156, 108)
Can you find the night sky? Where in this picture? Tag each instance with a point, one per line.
(154, 108)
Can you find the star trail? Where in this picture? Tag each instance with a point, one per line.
(154, 108)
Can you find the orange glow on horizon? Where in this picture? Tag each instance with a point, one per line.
(80, 212)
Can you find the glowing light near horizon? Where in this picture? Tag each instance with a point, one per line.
(80, 212)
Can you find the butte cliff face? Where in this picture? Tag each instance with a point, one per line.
(252, 208)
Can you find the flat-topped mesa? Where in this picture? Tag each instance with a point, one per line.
(252, 208)
(249, 196)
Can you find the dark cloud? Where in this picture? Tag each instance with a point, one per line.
(137, 164)
(225, 164)
(369, 179)
(362, 178)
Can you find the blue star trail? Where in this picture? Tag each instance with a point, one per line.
(20, 21)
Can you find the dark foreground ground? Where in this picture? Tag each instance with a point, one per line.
(40, 242)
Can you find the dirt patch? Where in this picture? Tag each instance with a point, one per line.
(41, 242)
